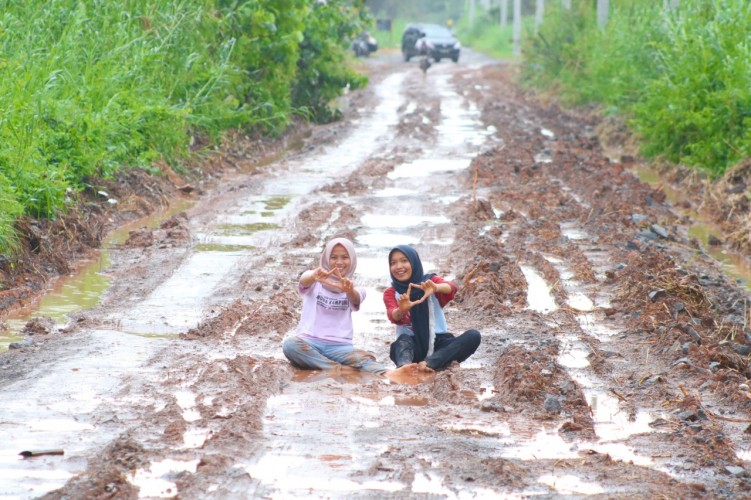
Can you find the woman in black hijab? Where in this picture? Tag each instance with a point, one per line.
(414, 303)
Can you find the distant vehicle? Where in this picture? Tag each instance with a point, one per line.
(364, 44)
(439, 42)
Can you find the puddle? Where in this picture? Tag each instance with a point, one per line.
(84, 288)
(431, 484)
(72, 293)
(567, 484)
(367, 136)
(178, 304)
(539, 297)
(297, 459)
(580, 302)
(461, 129)
(186, 400)
(156, 481)
(425, 167)
(402, 221)
(53, 410)
(218, 247)
(547, 133)
(120, 235)
(547, 444)
(572, 231)
(245, 229)
(68, 294)
(701, 227)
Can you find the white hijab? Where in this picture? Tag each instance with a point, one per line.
(326, 257)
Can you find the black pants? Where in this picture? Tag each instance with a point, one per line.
(446, 348)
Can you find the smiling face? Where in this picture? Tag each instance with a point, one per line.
(400, 267)
(339, 259)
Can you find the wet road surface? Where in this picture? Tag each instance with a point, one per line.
(128, 371)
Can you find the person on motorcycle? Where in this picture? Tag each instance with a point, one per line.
(421, 45)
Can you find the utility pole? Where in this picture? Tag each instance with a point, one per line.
(602, 12)
(539, 10)
(471, 14)
(566, 4)
(504, 13)
(517, 27)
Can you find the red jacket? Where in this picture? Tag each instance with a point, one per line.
(389, 298)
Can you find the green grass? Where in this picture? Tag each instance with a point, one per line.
(681, 77)
(89, 88)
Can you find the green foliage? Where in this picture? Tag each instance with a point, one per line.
(268, 34)
(10, 210)
(681, 76)
(90, 87)
(486, 35)
(698, 111)
(322, 72)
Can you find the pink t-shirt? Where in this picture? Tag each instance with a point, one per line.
(326, 315)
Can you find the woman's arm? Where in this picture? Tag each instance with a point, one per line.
(308, 278)
(445, 290)
(396, 315)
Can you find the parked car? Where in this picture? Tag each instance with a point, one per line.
(439, 42)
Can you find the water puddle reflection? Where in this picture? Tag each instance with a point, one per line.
(460, 127)
(567, 484)
(157, 481)
(572, 231)
(539, 297)
(402, 221)
(425, 167)
(68, 295)
(83, 288)
(701, 227)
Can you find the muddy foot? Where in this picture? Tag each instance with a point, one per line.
(413, 373)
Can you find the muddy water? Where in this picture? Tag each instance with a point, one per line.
(407, 209)
(83, 288)
(701, 228)
(178, 303)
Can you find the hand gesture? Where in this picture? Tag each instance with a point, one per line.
(405, 302)
(321, 275)
(345, 285)
(428, 287)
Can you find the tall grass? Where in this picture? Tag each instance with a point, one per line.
(681, 76)
(89, 87)
(698, 110)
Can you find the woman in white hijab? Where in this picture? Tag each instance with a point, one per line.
(323, 339)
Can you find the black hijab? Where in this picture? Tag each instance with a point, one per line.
(420, 314)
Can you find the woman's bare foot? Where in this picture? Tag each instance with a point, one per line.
(413, 373)
(423, 367)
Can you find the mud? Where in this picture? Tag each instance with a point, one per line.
(614, 360)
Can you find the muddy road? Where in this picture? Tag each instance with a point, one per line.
(614, 360)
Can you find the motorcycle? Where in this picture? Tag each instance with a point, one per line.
(364, 45)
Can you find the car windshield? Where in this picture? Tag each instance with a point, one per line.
(437, 31)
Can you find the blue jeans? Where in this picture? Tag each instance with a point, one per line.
(311, 354)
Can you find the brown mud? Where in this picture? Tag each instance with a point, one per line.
(615, 353)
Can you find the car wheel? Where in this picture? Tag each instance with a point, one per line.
(455, 58)
(437, 59)
(407, 57)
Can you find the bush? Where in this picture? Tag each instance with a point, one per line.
(681, 76)
(91, 87)
(322, 72)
